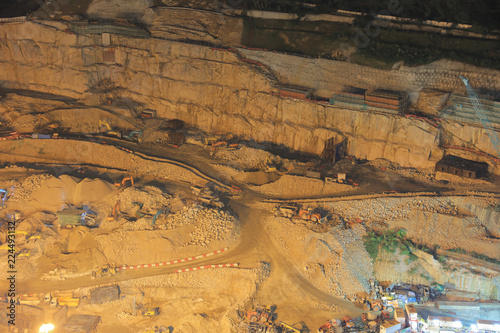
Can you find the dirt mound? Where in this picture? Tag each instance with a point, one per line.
(257, 177)
(292, 185)
(335, 262)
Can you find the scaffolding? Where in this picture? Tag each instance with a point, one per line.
(89, 29)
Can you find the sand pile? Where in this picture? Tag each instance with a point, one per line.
(55, 193)
(257, 177)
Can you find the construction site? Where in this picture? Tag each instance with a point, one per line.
(187, 166)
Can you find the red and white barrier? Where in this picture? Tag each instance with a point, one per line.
(205, 267)
(173, 261)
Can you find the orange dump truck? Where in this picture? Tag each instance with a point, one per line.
(68, 301)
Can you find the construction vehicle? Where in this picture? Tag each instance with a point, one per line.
(286, 211)
(115, 211)
(30, 299)
(259, 313)
(482, 116)
(288, 328)
(150, 312)
(124, 181)
(49, 125)
(378, 305)
(106, 270)
(307, 214)
(330, 325)
(210, 140)
(68, 301)
(109, 131)
(134, 135)
(211, 201)
(147, 114)
(270, 166)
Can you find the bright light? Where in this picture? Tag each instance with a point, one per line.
(45, 328)
(473, 327)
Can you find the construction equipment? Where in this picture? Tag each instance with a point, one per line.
(135, 135)
(259, 313)
(330, 325)
(378, 305)
(286, 211)
(116, 208)
(218, 144)
(211, 201)
(106, 270)
(288, 328)
(210, 140)
(124, 181)
(270, 166)
(50, 125)
(147, 114)
(151, 312)
(109, 131)
(307, 214)
(482, 116)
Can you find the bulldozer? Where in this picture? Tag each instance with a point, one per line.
(106, 270)
(270, 166)
(259, 313)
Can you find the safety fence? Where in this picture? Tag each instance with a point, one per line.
(12, 19)
(173, 261)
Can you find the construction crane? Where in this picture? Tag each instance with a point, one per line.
(482, 116)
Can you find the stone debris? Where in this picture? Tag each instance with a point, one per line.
(210, 223)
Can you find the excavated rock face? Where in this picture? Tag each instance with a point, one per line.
(118, 8)
(215, 90)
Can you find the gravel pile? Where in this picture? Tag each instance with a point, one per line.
(151, 198)
(243, 158)
(382, 209)
(422, 175)
(23, 190)
(210, 223)
(335, 262)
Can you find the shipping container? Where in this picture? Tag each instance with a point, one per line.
(390, 326)
(40, 136)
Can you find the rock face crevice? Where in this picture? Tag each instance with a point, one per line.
(213, 89)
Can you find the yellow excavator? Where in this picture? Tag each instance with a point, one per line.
(109, 130)
(51, 125)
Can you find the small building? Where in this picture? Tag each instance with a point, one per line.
(390, 326)
(387, 99)
(70, 217)
(399, 315)
(462, 167)
(104, 294)
(488, 325)
(81, 324)
(295, 92)
(444, 323)
(411, 312)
